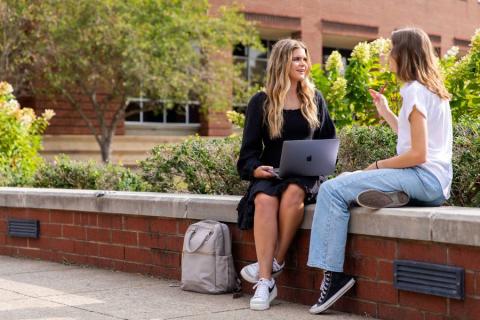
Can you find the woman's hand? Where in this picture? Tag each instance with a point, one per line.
(263, 172)
(380, 102)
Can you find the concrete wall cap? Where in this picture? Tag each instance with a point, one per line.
(455, 225)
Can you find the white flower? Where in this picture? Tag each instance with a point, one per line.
(26, 116)
(5, 88)
(48, 114)
(10, 106)
(362, 52)
(452, 52)
(334, 62)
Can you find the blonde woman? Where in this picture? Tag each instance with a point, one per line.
(421, 170)
(289, 109)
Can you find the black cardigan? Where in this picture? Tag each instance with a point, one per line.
(257, 147)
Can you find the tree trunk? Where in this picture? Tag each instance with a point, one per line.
(105, 148)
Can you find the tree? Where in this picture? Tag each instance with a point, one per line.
(16, 34)
(109, 50)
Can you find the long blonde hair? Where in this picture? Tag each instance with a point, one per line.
(278, 84)
(415, 59)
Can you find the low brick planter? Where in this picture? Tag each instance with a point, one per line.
(143, 232)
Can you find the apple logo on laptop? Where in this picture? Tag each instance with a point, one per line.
(309, 158)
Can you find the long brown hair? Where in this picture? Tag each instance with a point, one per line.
(416, 60)
(278, 84)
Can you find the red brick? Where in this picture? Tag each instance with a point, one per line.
(373, 247)
(361, 266)
(75, 259)
(389, 312)
(132, 267)
(36, 254)
(431, 316)
(110, 221)
(385, 271)
(74, 232)
(164, 226)
(423, 302)
(86, 219)
(61, 216)
(37, 214)
(62, 245)
(284, 293)
(464, 256)
(85, 248)
(420, 251)
(163, 242)
(124, 237)
(3, 226)
(477, 284)
(165, 272)
(470, 283)
(7, 251)
(351, 305)
(112, 252)
(104, 263)
(244, 252)
(42, 242)
(3, 239)
(307, 297)
(99, 235)
(295, 279)
(17, 213)
(138, 255)
(467, 309)
(166, 258)
(236, 233)
(184, 224)
(17, 242)
(51, 230)
(136, 223)
(376, 292)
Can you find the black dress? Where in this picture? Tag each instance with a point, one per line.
(258, 149)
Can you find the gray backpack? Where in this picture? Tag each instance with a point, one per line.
(207, 262)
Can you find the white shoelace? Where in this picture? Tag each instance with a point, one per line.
(327, 278)
(262, 288)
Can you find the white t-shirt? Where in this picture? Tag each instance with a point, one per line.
(439, 130)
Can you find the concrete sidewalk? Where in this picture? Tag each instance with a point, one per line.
(31, 289)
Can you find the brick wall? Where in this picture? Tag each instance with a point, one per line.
(153, 245)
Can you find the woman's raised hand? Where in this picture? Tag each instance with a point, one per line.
(380, 102)
(264, 172)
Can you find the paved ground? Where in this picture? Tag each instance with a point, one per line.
(31, 289)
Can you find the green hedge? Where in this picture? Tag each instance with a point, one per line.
(208, 166)
(69, 174)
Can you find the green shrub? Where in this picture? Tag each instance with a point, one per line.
(20, 139)
(198, 165)
(69, 174)
(361, 146)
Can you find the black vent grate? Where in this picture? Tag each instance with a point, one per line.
(429, 278)
(23, 228)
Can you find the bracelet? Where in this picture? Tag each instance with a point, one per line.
(376, 164)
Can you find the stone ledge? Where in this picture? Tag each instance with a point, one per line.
(454, 225)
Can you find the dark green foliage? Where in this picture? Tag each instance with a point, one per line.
(197, 165)
(69, 174)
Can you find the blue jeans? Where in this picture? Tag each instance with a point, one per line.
(330, 221)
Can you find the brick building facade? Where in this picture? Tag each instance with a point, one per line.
(324, 25)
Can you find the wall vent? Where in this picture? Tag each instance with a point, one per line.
(429, 278)
(23, 228)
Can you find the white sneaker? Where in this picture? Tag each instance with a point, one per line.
(266, 291)
(250, 272)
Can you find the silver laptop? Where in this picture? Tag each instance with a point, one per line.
(310, 158)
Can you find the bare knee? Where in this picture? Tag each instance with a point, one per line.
(293, 196)
(265, 204)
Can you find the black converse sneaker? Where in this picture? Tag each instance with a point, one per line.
(376, 199)
(266, 291)
(334, 286)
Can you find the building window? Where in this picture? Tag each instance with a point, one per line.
(253, 61)
(142, 110)
(327, 51)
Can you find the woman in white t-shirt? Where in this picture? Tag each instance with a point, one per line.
(420, 173)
